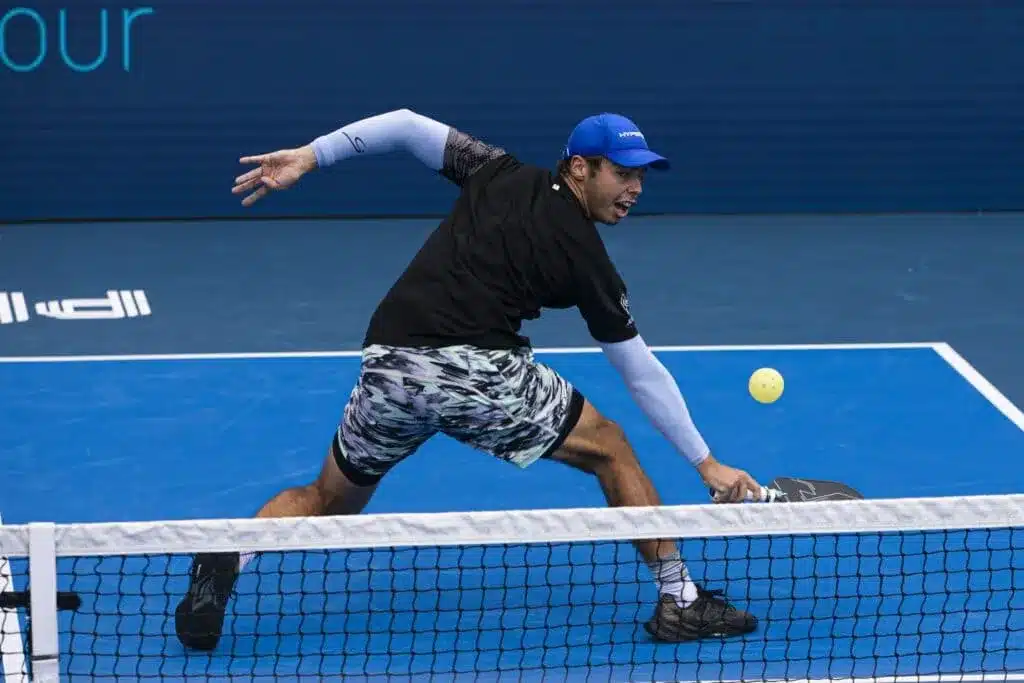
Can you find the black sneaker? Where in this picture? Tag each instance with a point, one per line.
(708, 616)
(199, 617)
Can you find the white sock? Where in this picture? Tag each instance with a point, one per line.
(673, 578)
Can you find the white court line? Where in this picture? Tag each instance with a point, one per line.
(979, 382)
(12, 646)
(548, 350)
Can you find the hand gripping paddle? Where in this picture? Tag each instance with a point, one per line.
(795, 490)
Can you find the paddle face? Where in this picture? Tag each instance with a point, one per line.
(809, 490)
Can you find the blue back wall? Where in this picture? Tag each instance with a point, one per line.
(141, 111)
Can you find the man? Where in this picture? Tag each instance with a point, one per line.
(443, 353)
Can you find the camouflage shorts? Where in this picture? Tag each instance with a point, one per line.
(501, 402)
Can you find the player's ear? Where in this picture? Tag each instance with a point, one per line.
(578, 168)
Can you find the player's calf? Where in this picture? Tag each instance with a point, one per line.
(598, 446)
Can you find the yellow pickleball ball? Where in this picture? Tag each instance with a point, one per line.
(766, 385)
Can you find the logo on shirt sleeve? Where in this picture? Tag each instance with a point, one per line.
(624, 303)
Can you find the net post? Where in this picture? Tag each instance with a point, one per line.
(42, 549)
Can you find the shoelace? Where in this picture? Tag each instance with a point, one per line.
(714, 596)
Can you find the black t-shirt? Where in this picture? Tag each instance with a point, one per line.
(516, 241)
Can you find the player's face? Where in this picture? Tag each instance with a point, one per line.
(612, 190)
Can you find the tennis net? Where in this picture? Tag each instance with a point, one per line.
(891, 590)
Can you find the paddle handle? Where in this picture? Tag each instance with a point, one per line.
(767, 495)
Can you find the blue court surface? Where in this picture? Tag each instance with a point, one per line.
(203, 436)
(150, 438)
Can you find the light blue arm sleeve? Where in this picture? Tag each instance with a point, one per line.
(443, 148)
(656, 392)
(399, 130)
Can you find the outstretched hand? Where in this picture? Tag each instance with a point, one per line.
(276, 171)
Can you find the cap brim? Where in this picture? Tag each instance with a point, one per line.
(635, 158)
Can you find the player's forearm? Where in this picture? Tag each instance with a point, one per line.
(399, 130)
(656, 392)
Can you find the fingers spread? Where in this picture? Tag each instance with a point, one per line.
(255, 196)
(249, 175)
(245, 186)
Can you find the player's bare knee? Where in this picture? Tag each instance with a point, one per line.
(610, 436)
(612, 445)
(331, 501)
(337, 494)
(324, 497)
(596, 446)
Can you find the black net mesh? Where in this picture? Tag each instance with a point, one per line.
(898, 605)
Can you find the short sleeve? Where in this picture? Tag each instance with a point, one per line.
(464, 155)
(603, 300)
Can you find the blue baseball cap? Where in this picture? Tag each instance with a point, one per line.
(614, 137)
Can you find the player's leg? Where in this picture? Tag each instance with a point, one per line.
(685, 611)
(520, 411)
(199, 616)
(332, 493)
(380, 428)
(599, 447)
